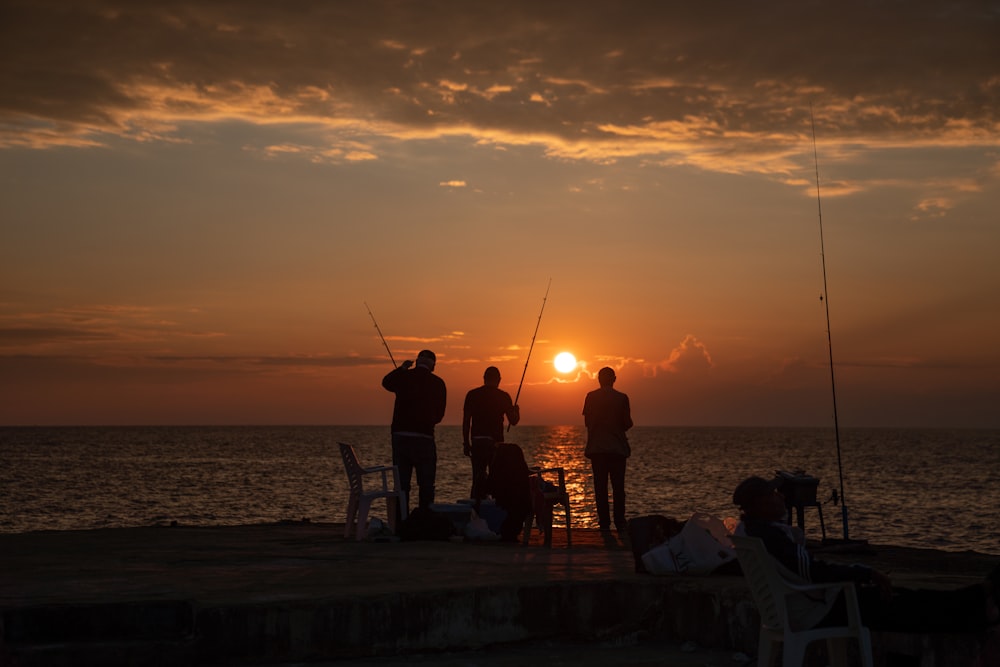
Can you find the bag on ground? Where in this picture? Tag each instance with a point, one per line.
(702, 546)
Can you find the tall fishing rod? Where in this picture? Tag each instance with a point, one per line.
(380, 335)
(829, 336)
(531, 347)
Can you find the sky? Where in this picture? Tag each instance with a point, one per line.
(201, 201)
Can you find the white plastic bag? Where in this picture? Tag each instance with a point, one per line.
(478, 529)
(699, 548)
(660, 560)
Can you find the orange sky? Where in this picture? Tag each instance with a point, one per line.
(197, 203)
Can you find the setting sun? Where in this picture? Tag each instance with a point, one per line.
(564, 362)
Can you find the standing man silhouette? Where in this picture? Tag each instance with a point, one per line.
(607, 414)
(482, 419)
(419, 406)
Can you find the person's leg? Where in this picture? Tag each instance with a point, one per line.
(616, 470)
(482, 455)
(917, 610)
(425, 463)
(402, 460)
(928, 611)
(599, 464)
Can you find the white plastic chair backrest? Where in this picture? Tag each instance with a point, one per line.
(352, 467)
(766, 584)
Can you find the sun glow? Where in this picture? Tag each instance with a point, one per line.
(564, 362)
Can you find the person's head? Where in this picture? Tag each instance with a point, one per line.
(426, 359)
(491, 377)
(606, 376)
(759, 498)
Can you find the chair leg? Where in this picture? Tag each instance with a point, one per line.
(396, 509)
(865, 646)
(569, 538)
(793, 653)
(765, 650)
(837, 648)
(352, 509)
(391, 507)
(363, 506)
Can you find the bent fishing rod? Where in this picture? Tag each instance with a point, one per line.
(829, 337)
(531, 347)
(380, 335)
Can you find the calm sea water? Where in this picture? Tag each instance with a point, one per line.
(910, 487)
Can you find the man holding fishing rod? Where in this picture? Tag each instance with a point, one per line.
(482, 426)
(483, 413)
(419, 407)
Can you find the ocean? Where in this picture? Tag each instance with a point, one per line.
(928, 488)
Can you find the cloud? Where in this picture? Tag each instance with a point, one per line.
(452, 184)
(193, 363)
(689, 357)
(24, 335)
(415, 339)
(278, 361)
(932, 207)
(450, 336)
(338, 152)
(91, 326)
(671, 82)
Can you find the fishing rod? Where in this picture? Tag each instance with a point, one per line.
(380, 335)
(531, 347)
(829, 337)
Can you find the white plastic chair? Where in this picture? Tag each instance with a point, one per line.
(360, 500)
(771, 593)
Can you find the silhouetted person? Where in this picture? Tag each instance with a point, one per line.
(419, 406)
(482, 425)
(607, 414)
(509, 485)
(883, 606)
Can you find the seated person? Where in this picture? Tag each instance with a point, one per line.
(882, 605)
(509, 485)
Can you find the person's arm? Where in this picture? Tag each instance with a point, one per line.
(391, 380)
(513, 414)
(821, 571)
(512, 411)
(587, 412)
(797, 558)
(441, 403)
(627, 416)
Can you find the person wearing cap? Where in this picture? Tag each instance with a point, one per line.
(763, 515)
(482, 425)
(419, 407)
(607, 415)
(882, 605)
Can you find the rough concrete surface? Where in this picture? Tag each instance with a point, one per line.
(282, 593)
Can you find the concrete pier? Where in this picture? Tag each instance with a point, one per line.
(295, 592)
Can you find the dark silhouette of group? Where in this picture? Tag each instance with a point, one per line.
(498, 468)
